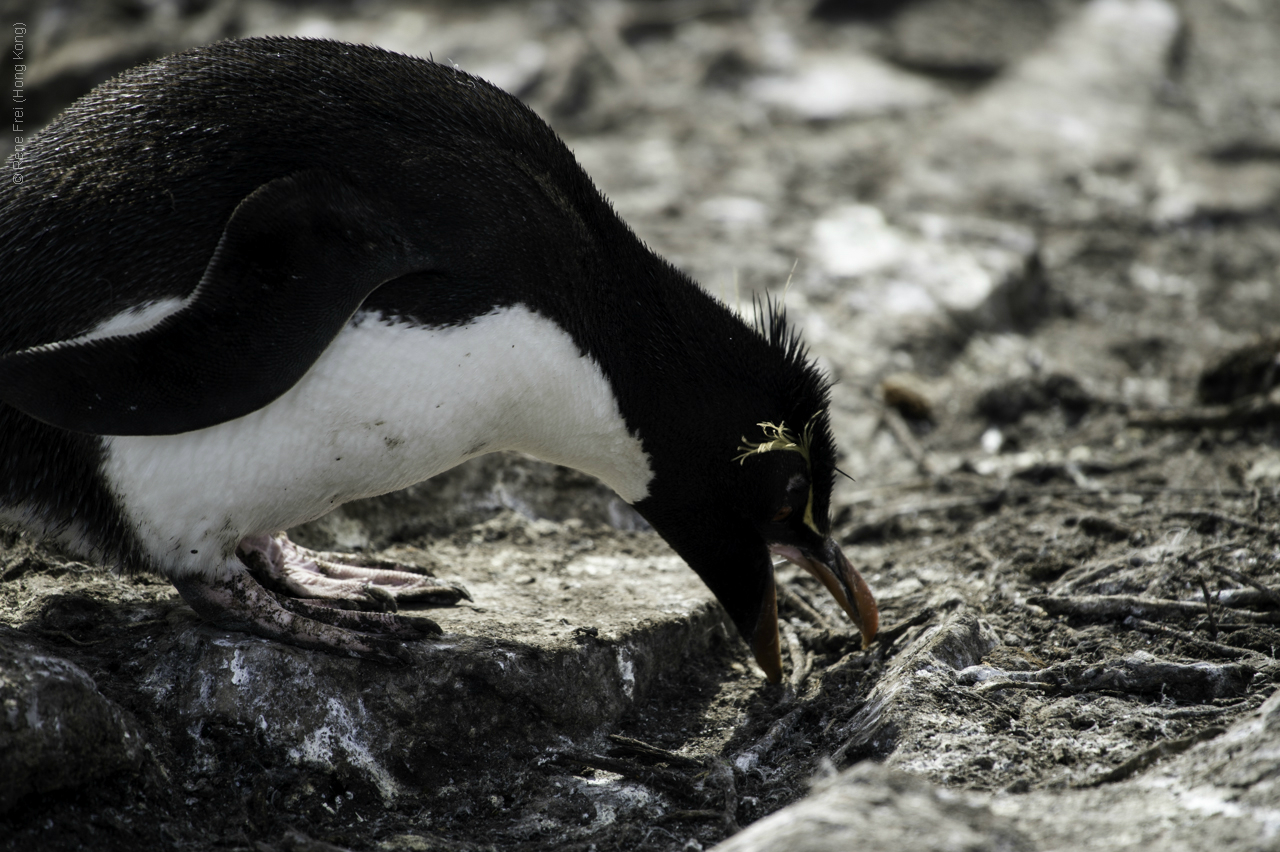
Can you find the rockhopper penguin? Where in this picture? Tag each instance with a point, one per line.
(250, 282)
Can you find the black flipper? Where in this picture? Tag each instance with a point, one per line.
(295, 261)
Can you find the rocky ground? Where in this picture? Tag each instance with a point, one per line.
(1036, 243)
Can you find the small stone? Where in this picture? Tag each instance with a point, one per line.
(834, 86)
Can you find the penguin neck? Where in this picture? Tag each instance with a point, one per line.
(688, 373)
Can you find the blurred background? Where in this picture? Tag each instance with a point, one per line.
(962, 193)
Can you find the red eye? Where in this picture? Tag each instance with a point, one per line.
(782, 514)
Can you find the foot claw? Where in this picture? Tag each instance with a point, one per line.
(382, 600)
(240, 603)
(425, 625)
(360, 621)
(346, 581)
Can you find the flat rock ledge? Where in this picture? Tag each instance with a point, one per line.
(558, 642)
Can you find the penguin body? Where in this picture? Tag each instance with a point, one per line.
(250, 282)
(353, 427)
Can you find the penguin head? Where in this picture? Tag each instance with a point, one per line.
(783, 489)
(756, 484)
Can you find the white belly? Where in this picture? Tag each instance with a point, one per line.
(385, 406)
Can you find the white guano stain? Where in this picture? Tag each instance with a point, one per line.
(627, 671)
(340, 737)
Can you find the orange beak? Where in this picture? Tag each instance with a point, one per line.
(844, 583)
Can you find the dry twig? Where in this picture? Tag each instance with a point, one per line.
(1201, 555)
(1220, 517)
(1099, 573)
(747, 759)
(800, 659)
(889, 635)
(62, 634)
(906, 438)
(640, 748)
(1267, 592)
(684, 816)
(795, 599)
(1213, 647)
(1208, 609)
(1256, 410)
(1137, 674)
(997, 685)
(667, 780)
(1123, 606)
(874, 521)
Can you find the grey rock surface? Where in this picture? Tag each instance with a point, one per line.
(1233, 74)
(839, 85)
(918, 683)
(972, 36)
(878, 809)
(563, 637)
(551, 647)
(1080, 103)
(56, 729)
(1220, 794)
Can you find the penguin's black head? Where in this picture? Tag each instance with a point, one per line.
(785, 479)
(784, 490)
(757, 484)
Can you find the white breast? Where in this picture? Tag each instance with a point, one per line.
(385, 406)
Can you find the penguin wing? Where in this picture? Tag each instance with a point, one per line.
(295, 261)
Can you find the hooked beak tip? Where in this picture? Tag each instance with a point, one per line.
(843, 582)
(858, 601)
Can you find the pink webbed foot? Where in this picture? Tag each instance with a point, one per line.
(239, 602)
(343, 580)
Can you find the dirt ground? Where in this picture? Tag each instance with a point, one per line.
(1074, 474)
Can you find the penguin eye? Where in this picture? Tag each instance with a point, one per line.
(782, 514)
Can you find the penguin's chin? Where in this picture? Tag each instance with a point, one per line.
(842, 580)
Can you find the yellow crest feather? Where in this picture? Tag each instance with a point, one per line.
(779, 437)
